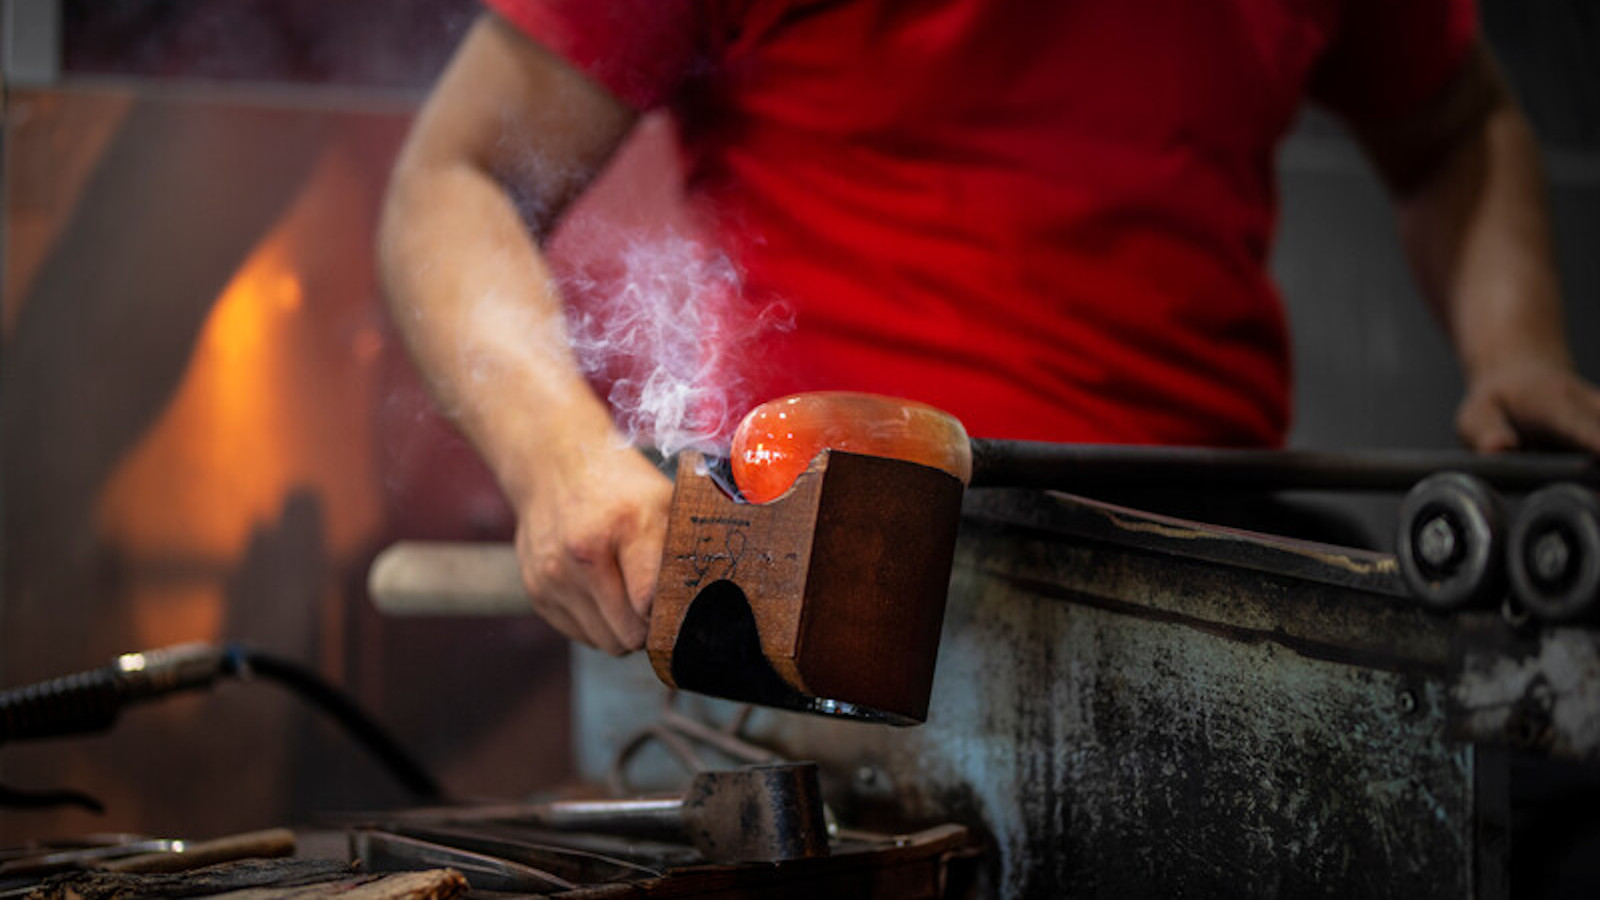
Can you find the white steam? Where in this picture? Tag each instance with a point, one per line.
(667, 322)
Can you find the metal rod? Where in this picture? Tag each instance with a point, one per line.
(1080, 467)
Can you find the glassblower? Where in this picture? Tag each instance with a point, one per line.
(808, 569)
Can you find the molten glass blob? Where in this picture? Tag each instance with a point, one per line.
(777, 440)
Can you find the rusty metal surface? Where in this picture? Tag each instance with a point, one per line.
(1127, 722)
(1094, 520)
(1224, 745)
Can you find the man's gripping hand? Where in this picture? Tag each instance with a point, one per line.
(590, 533)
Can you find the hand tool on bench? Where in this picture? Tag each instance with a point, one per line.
(763, 813)
(827, 594)
(158, 854)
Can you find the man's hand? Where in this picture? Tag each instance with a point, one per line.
(590, 539)
(1532, 402)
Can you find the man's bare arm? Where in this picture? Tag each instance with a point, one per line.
(1470, 190)
(509, 135)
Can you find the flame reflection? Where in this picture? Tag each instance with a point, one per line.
(275, 401)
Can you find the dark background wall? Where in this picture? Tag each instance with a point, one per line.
(370, 43)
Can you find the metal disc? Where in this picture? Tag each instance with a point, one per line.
(1554, 556)
(1451, 535)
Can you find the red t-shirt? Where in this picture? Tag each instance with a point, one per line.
(1050, 218)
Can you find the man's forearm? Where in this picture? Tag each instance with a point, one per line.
(1470, 190)
(1477, 231)
(472, 296)
(464, 276)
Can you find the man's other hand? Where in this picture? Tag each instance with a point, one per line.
(1530, 404)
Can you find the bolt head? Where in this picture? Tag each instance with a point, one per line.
(1550, 556)
(1438, 543)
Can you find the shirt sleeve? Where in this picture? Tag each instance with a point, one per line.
(1391, 56)
(639, 50)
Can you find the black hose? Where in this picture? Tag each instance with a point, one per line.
(244, 662)
(87, 702)
(79, 703)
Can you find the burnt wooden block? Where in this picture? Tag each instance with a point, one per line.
(827, 600)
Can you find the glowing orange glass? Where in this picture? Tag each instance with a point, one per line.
(777, 440)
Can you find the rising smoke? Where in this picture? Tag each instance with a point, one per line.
(665, 323)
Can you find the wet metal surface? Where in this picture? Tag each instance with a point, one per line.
(1126, 722)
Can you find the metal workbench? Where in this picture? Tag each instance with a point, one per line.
(1130, 707)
